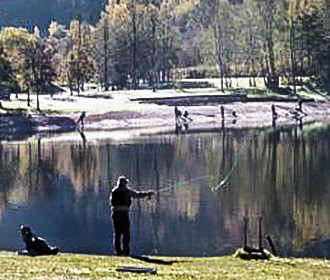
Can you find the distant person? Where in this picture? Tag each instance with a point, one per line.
(186, 116)
(299, 109)
(222, 112)
(177, 112)
(120, 201)
(80, 122)
(186, 119)
(274, 113)
(178, 116)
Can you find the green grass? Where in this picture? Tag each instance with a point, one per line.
(69, 266)
(307, 90)
(24, 112)
(46, 111)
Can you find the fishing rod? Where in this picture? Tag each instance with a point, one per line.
(168, 186)
(15, 207)
(115, 181)
(174, 186)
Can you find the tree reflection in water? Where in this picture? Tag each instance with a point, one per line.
(281, 174)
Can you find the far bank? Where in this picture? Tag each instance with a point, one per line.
(128, 110)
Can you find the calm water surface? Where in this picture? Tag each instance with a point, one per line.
(61, 189)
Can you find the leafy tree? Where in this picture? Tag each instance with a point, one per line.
(169, 40)
(120, 42)
(16, 45)
(30, 59)
(20, 45)
(78, 65)
(101, 49)
(268, 10)
(220, 40)
(323, 56)
(252, 41)
(145, 52)
(60, 41)
(5, 69)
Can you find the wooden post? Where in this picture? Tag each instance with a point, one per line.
(274, 122)
(245, 229)
(300, 105)
(274, 114)
(222, 112)
(271, 245)
(260, 233)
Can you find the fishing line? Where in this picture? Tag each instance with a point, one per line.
(224, 182)
(184, 182)
(15, 207)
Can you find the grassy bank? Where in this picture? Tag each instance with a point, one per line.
(68, 266)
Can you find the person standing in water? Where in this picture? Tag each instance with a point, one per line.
(80, 122)
(120, 201)
(178, 117)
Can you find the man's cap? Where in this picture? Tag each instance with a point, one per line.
(122, 180)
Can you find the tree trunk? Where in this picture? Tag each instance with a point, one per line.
(134, 45)
(218, 42)
(70, 84)
(153, 55)
(253, 72)
(79, 71)
(272, 80)
(28, 97)
(293, 55)
(35, 81)
(38, 103)
(221, 72)
(105, 46)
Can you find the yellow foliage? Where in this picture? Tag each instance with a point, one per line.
(119, 14)
(185, 7)
(297, 8)
(13, 38)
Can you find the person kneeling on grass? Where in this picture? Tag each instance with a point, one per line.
(120, 201)
(34, 245)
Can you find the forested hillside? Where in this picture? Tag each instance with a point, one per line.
(28, 13)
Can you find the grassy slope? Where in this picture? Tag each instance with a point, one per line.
(67, 266)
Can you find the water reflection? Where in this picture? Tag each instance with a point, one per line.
(61, 190)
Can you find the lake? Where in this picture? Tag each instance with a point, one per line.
(61, 189)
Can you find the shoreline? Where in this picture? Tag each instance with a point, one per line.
(135, 111)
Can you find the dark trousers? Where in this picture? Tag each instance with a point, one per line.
(120, 221)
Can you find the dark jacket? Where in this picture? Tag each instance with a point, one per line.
(121, 197)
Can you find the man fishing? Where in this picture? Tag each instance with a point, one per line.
(120, 201)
